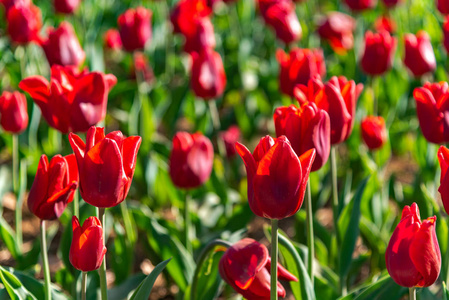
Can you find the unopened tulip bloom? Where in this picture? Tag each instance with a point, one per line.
(87, 249)
(112, 39)
(62, 46)
(443, 6)
(246, 267)
(142, 68)
(419, 57)
(277, 177)
(135, 28)
(24, 23)
(230, 137)
(53, 187)
(106, 165)
(432, 108)
(13, 112)
(446, 33)
(72, 100)
(7, 4)
(385, 23)
(443, 158)
(306, 127)
(338, 97)
(413, 256)
(186, 12)
(191, 160)
(374, 133)
(337, 29)
(360, 5)
(208, 78)
(203, 36)
(378, 54)
(66, 6)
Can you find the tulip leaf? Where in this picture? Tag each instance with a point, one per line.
(144, 289)
(14, 287)
(8, 237)
(123, 290)
(445, 292)
(384, 288)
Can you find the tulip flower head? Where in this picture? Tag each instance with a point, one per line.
(277, 177)
(13, 112)
(66, 6)
(443, 158)
(360, 5)
(337, 29)
(112, 39)
(378, 54)
(385, 23)
(443, 6)
(419, 57)
(374, 133)
(413, 256)
(446, 33)
(53, 187)
(135, 28)
(202, 37)
(7, 4)
(106, 165)
(246, 267)
(24, 23)
(230, 137)
(186, 12)
(87, 249)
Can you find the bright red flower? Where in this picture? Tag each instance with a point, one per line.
(13, 111)
(203, 36)
(443, 6)
(337, 29)
(419, 57)
(24, 23)
(53, 187)
(7, 4)
(142, 68)
(230, 137)
(208, 78)
(66, 6)
(446, 33)
(359, 5)
(87, 249)
(378, 53)
(185, 13)
(443, 158)
(298, 67)
(72, 100)
(191, 160)
(112, 39)
(106, 165)
(413, 256)
(135, 28)
(385, 23)
(246, 267)
(374, 133)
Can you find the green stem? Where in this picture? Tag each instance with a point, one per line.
(56, 139)
(83, 285)
(372, 83)
(310, 238)
(447, 262)
(76, 204)
(45, 266)
(412, 293)
(335, 204)
(274, 259)
(102, 271)
(17, 188)
(127, 220)
(187, 222)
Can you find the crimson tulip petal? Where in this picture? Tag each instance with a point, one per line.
(37, 87)
(94, 135)
(431, 120)
(38, 190)
(131, 146)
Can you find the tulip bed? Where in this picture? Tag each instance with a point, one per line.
(224, 149)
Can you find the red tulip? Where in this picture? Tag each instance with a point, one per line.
(281, 15)
(298, 67)
(446, 33)
(306, 127)
(443, 158)
(135, 28)
(203, 36)
(66, 6)
(7, 4)
(413, 256)
(142, 68)
(112, 39)
(106, 165)
(419, 57)
(337, 29)
(277, 178)
(72, 100)
(13, 111)
(443, 6)
(208, 78)
(392, 3)
(385, 23)
(185, 13)
(62, 46)
(24, 23)
(230, 137)
(338, 97)
(432, 107)
(53, 187)
(246, 267)
(374, 133)
(191, 160)
(87, 249)
(379, 52)
(359, 5)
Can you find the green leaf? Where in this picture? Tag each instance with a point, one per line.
(14, 287)
(445, 292)
(123, 290)
(144, 289)
(8, 237)
(384, 288)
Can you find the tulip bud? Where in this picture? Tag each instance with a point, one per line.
(87, 249)
(374, 133)
(419, 57)
(24, 23)
(191, 160)
(208, 78)
(62, 46)
(106, 165)
(246, 267)
(13, 111)
(8, 4)
(203, 36)
(360, 5)
(185, 13)
(142, 68)
(135, 28)
(413, 256)
(277, 178)
(66, 6)
(443, 158)
(112, 39)
(230, 137)
(378, 54)
(53, 187)
(337, 29)
(385, 23)
(443, 6)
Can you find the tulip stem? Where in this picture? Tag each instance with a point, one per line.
(274, 259)
(83, 285)
(310, 238)
(45, 266)
(412, 293)
(102, 271)
(127, 220)
(17, 189)
(187, 222)
(215, 116)
(76, 204)
(335, 204)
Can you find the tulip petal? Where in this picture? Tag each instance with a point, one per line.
(79, 149)
(430, 118)
(38, 191)
(93, 136)
(37, 87)
(131, 146)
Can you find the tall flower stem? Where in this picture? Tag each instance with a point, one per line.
(310, 238)
(217, 126)
(76, 204)
(16, 188)
(45, 266)
(274, 259)
(335, 204)
(83, 285)
(102, 271)
(412, 293)
(187, 222)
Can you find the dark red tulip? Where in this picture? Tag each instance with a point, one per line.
(185, 13)
(230, 137)
(413, 256)
(419, 57)
(142, 68)
(338, 97)
(246, 267)
(337, 29)
(277, 178)
(72, 100)
(385, 23)
(135, 28)
(13, 112)
(112, 39)
(432, 107)
(87, 249)
(203, 36)
(66, 6)
(443, 6)
(446, 33)
(392, 3)
(24, 23)
(62, 46)
(360, 5)
(191, 160)
(53, 187)
(378, 54)
(443, 158)
(7, 4)
(281, 16)
(208, 78)
(106, 165)
(298, 67)
(374, 133)
(306, 127)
